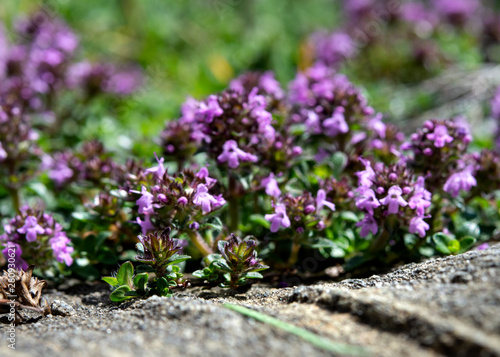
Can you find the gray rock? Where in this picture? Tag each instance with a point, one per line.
(61, 308)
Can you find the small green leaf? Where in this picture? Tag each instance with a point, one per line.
(349, 216)
(466, 243)
(119, 294)
(454, 246)
(222, 264)
(252, 275)
(125, 274)
(259, 219)
(111, 281)
(469, 229)
(441, 241)
(200, 274)
(162, 286)
(141, 280)
(177, 258)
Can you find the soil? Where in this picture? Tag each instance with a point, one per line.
(446, 306)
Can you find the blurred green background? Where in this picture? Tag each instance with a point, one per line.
(184, 47)
(194, 48)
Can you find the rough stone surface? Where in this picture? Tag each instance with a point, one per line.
(446, 306)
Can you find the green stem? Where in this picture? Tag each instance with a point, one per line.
(200, 243)
(380, 242)
(234, 209)
(14, 194)
(294, 253)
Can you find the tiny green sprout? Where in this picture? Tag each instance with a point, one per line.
(159, 251)
(126, 285)
(237, 263)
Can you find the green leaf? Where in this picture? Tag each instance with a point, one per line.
(111, 281)
(323, 243)
(454, 246)
(119, 294)
(162, 286)
(200, 274)
(312, 338)
(441, 241)
(222, 264)
(349, 216)
(140, 281)
(466, 243)
(125, 274)
(469, 229)
(252, 275)
(259, 219)
(177, 258)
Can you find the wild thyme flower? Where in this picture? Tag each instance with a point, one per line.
(271, 186)
(332, 49)
(279, 218)
(300, 213)
(462, 180)
(267, 86)
(39, 237)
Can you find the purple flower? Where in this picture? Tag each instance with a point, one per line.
(159, 170)
(146, 225)
(31, 228)
(419, 226)
(18, 261)
(421, 198)
(483, 246)
(367, 176)
(462, 180)
(3, 153)
(205, 200)
(270, 85)
(367, 225)
(366, 199)
(271, 186)
(209, 109)
(145, 203)
(203, 174)
(440, 136)
(233, 155)
(279, 218)
(394, 200)
(320, 201)
(336, 124)
(333, 48)
(62, 251)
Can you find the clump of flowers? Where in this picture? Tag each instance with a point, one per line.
(236, 263)
(392, 198)
(299, 219)
(334, 113)
(37, 238)
(182, 200)
(435, 151)
(267, 86)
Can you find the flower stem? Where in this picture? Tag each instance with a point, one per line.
(380, 242)
(200, 243)
(234, 212)
(14, 194)
(294, 253)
